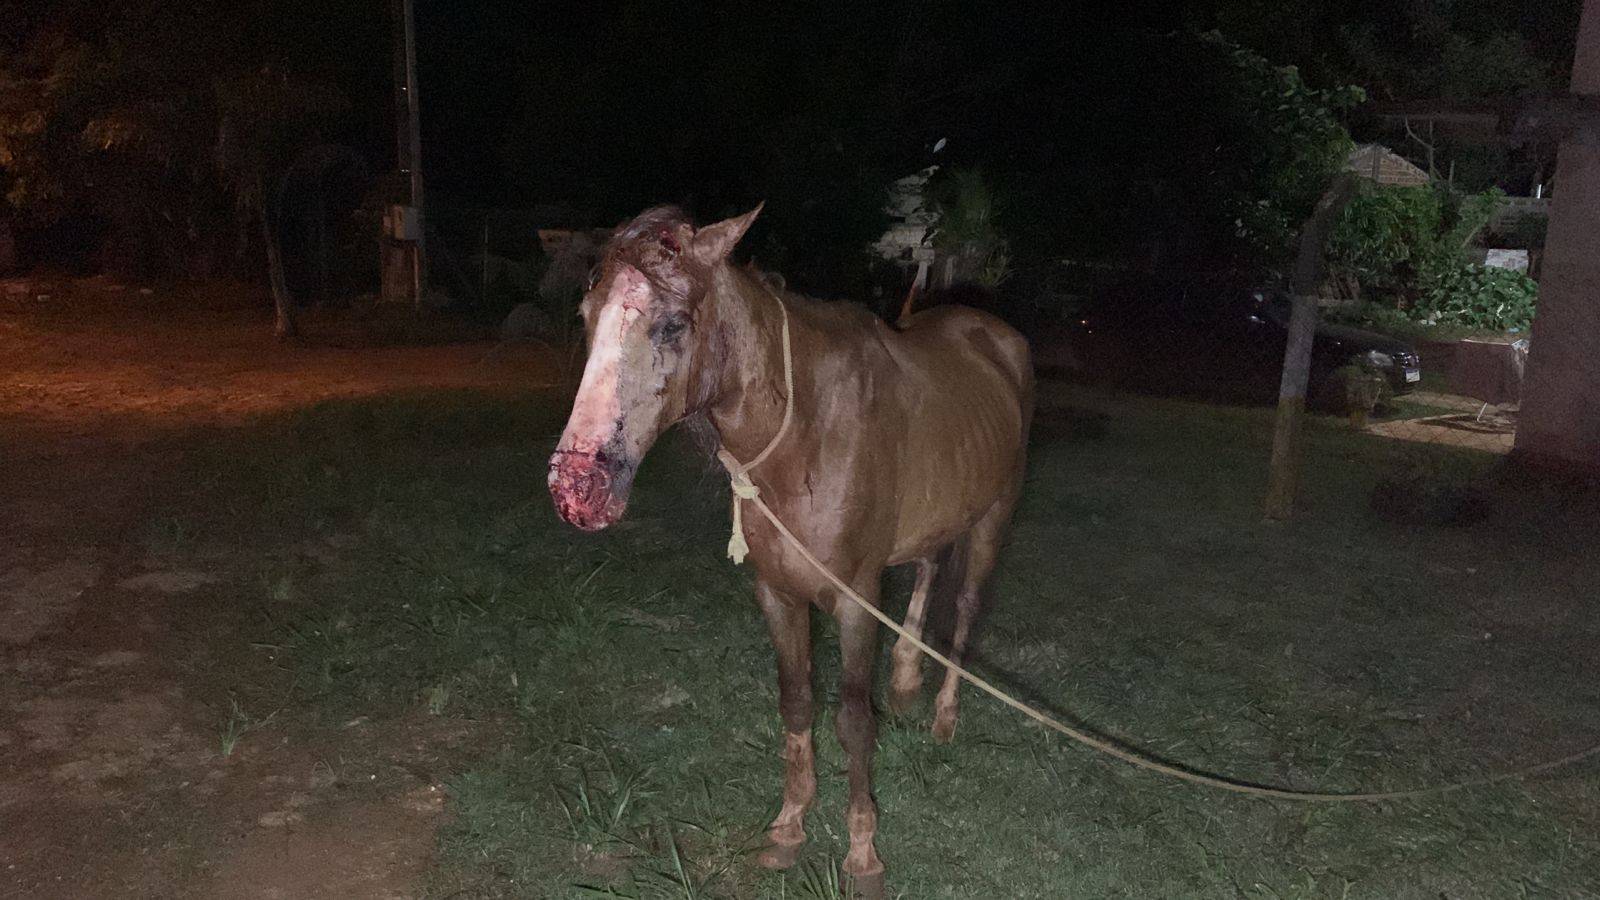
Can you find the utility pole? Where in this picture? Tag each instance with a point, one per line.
(405, 262)
(1284, 477)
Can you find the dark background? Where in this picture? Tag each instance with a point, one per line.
(1106, 129)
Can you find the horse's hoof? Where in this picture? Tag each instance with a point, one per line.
(902, 702)
(944, 730)
(779, 856)
(867, 887)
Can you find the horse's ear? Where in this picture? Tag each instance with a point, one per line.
(713, 243)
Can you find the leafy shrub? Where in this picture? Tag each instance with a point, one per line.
(1364, 390)
(1376, 317)
(966, 227)
(1404, 248)
(1481, 298)
(1385, 237)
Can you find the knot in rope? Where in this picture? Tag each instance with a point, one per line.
(743, 487)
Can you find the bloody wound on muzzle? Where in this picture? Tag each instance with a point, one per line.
(580, 485)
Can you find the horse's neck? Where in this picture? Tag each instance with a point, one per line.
(750, 401)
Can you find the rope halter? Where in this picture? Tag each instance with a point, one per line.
(739, 473)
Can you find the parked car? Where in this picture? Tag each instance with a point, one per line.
(1225, 341)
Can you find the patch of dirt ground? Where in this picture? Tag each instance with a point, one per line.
(123, 770)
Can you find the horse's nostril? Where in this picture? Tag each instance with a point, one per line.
(579, 480)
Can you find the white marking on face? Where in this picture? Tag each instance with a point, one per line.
(598, 408)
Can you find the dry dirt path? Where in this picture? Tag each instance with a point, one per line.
(114, 780)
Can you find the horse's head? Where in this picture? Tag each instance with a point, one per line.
(642, 315)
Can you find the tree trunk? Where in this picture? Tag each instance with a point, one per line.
(1283, 480)
(1560, 421)
(282, 303)
(324, 264)
(8, 246)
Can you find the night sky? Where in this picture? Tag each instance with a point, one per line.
(1101, 126)
(623, 103)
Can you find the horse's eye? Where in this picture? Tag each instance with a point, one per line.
(671, 328)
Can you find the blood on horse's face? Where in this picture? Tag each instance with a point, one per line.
(633, 388)
(644, 347)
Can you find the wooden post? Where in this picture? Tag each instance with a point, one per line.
(410, 254)
(1283, 479)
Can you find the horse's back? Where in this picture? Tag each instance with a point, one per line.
(985, 334)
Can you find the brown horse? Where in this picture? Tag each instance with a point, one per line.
(905, 445)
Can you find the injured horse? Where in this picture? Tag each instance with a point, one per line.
(875, 444)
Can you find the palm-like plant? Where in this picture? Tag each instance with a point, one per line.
(966, 229)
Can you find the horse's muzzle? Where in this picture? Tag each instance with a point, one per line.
(590, 490)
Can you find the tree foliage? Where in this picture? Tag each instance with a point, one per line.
(1405, 248)
(151, 122)
(1144, 140)
(967, 225)
(1288, 157)
(1131, 141)
(1419, 49)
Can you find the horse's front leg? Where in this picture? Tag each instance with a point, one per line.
(858, 733)
(789, 620)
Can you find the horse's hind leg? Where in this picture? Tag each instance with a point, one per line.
(906, 681)
(983, 547)
(789, 621)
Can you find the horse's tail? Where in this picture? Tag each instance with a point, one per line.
(908, 307)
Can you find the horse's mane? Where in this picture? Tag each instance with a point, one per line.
(649, 224)
(822, 311)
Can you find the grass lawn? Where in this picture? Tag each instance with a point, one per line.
(1141, 596)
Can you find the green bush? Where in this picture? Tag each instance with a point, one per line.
(1363, 389)
(1480, 298)
(1376, 317)
(1403, 248)
(966, 226)
(1385, 237)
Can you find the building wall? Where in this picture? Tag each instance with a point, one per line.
(1384, 166)
(1561, 410)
